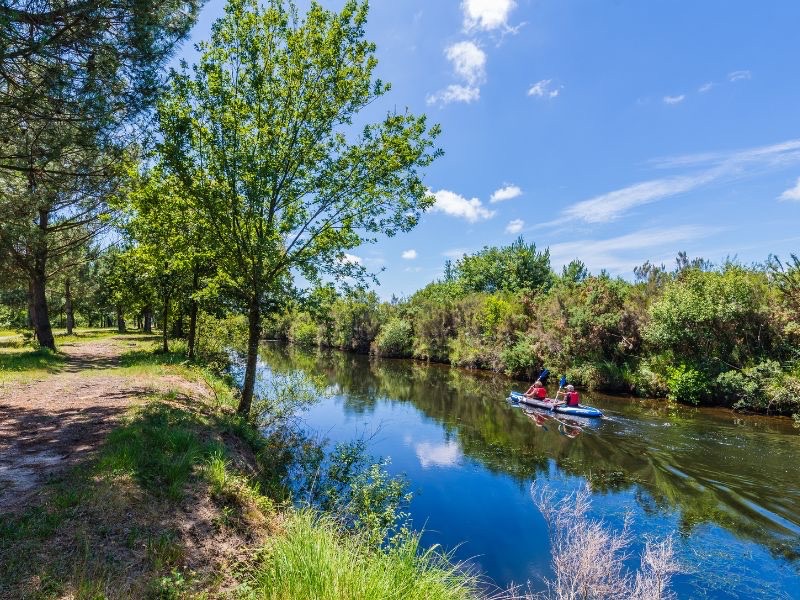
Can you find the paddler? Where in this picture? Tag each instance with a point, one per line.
(537, 390)
(571, 398)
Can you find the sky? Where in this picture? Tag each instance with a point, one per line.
(612, 131)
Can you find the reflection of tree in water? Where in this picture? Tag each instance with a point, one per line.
(471, 408)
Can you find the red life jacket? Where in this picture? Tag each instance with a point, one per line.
(541, 393)
(573, 399)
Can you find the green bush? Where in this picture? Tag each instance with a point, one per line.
(216, 337)
(687, 384)
(764, 387)
(395, 338)
(521, 359)
(647, 381)
(303, 331)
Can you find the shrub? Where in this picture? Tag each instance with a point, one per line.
(521, 359)
(303, 331)
(395, 338)
(687, 384)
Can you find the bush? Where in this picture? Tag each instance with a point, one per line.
(395, 338)
(303, 331)
(764, 387)
(521, 359)
(216, 337)
(687, 384)
(647, 381)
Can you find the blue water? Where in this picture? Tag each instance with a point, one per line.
(725, 486)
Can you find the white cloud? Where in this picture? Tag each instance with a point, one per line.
(438, 455)
(456, 205)
(455, 93)
(469, 61)
(487, 15)
(611, 253)
(515, 226)
(735, 76)
(783, 153)
(542, 89)
(674, 99)
(706, 87)
(469, 65)
(610, 206)
(718, 166)
(351, 259)
(409, 254)
(508, 192)
(792, 194)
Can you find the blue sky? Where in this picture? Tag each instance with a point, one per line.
(611, 131)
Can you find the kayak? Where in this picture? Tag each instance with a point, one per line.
(549, 404)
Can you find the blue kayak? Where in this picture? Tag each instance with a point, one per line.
(548, 404)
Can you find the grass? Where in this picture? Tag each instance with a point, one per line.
(314, 559)
(160, 446)
(28, 364)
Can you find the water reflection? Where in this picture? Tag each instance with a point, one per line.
(708, 467)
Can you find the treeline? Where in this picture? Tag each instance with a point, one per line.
(703, 334)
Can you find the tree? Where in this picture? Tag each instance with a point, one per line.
(513, 268)
(261, 136)
(76, 78)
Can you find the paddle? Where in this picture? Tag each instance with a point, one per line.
(561, 384)
(543, 376)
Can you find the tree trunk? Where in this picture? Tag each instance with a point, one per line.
(165, 320)
(31, 308)
(41, 316)
(68, 307)
(148, 319)
(38, 277)
(179, 325)
(193, 313)
(120, 319)
(254, 326)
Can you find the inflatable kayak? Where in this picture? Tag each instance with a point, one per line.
(549, 404)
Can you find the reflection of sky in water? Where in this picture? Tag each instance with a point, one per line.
(438, 455)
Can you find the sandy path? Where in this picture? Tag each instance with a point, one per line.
(58, 421)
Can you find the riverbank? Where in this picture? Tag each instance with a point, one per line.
(126, 473)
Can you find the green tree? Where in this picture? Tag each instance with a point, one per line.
(76, 80)
(513, 268)
(261, 136)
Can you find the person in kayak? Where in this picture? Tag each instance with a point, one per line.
(537, 390)
(571, 398)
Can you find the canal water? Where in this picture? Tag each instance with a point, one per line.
(726, 486)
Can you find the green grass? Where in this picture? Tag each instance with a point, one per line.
(314, 559)
(160, 447)
(28, 364)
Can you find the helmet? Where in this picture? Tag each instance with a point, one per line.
(570, 388)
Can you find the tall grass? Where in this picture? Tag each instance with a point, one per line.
(315, 559)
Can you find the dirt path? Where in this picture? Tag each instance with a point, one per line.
(53, 423)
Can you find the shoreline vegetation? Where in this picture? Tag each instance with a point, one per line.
(700, 334)
(186, 499)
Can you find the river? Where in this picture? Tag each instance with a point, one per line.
(725, 485)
